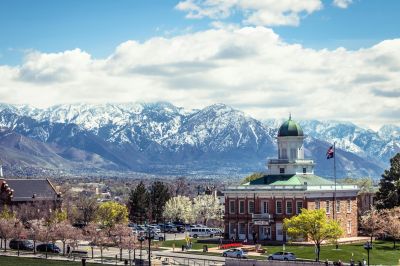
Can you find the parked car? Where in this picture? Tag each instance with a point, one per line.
(235, 253)
(201, 231)
(50, 248)
(282, 256)
(23, 244)
(169, 228)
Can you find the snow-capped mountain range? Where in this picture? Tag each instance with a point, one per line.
(161, 138)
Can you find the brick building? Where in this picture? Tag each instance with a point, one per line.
(259, 207)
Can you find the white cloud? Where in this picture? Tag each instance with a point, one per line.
(250, 68)
(342, 3)
(256, 12)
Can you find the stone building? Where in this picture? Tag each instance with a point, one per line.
(258, 208)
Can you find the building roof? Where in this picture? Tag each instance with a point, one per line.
(291, 180)
(290, 128)
(29, 189)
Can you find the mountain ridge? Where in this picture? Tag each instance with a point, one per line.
(165, 139)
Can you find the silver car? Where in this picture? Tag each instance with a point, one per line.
(235, 253)
(282, 256)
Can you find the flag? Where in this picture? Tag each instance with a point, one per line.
(330, 153)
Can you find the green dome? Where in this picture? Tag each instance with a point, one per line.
(290, 128)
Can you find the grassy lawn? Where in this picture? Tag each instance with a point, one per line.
(19, 261)
(382, 252)
(179, 243)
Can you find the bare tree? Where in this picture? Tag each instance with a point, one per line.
(87, 208)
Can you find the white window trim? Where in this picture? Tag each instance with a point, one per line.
(262, 206)
(244, 207)
(337, 206)
(317, 204)
(328, 206)
(302, 206)
(234, 207)
(276, 206)
(286, 208)
(348, 206)
(248, 206)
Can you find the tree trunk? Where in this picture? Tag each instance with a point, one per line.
(318, 250)
(101, 254)
(18, 249)
(92, 251)
(63, 248)
(34, 247)
(46, 249)
(120, 254)
(5, 244)
(394, 243)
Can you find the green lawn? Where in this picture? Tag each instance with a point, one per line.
(382, 252)
(179, 243)
(20, 261)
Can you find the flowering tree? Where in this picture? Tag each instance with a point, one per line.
(391, 226)
(206, 207)
(313, 225)
(96, 237)
(7, 227)
(119, 232)
(19, 231)
(179, 208)
(34, 232)
(372, 223)
(130, 243)
(111, 213)
(64, 231)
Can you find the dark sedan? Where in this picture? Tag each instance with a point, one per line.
(21, 244)
(50, 248)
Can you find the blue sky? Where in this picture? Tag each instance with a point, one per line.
(99, 26)
(265, 57)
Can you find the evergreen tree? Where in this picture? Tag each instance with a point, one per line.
(159, 195)
(388, 195)
(139, 206)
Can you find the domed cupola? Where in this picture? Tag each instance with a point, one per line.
(290, 129)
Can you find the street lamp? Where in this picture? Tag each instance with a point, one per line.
(368, 247)
(141, 239)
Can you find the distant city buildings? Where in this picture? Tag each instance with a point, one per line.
(257, 208)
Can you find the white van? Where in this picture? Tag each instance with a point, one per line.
(196, 232)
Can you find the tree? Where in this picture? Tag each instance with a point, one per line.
(179, 208)
(206, 207)
(111, 213)
(391, 226)
(96, 237)
(388, 195)
(159, 195)
(7, 229)
(63, 232)
(252, 177)
(34, 232)
(371, 222)
(119, 232)
(313, 225)
(139, 200)
(87, 208)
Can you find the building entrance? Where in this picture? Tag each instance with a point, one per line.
(265, 232)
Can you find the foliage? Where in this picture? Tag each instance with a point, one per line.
(6, 213)
(388, 195)
(159, 195)
(111, 213)
(59, 216)
(391, 226)
(206, 207)
(371, 222)
(365, 184)
(87, 208)
(139, 203)
(313, 225)
(252, 177)
(179, 208)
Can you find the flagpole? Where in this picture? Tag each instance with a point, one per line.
(334, 176)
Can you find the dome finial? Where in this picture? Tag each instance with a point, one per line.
(290, 116)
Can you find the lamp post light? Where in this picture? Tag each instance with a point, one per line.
(368, 247)
(141, 239)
